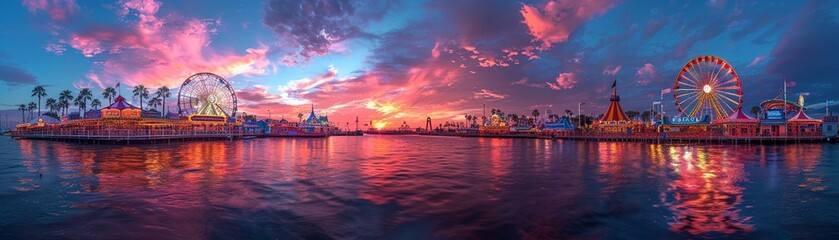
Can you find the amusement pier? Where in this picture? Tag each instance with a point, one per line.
(707, 94)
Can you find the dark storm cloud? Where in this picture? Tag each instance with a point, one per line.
(313, 26)
(489, 23)
(14, 75)
(807, 52)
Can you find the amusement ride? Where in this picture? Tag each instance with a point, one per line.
(708, 85)
(207, 97)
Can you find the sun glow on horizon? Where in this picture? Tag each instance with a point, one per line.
(379, 125)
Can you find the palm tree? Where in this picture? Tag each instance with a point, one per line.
(567, 112)
(51, 104)
(142, 92)
(39, 92)
(22, 109)
(155, 101)
(535, 113)
(645, 116)
(31, 108)
(109, 93)
(95, 103)
(65, 97)
(63, 105)
(755, 111)
(163, 93)
(84, 94)
(79, 102)
(632, 114)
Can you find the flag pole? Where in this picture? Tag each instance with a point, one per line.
(785, 96)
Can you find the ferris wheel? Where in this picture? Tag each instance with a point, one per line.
(708, 85)
(207, 94)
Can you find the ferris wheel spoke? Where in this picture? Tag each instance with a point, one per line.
(692, 105)
(723, 105)
(730, 106)
(704, 69)
(708, 70)
(700, 74)
(686, 90)
(718, 78)
(728, 88)
(689, 81)
(730, 94)
(715, 75)
(697, 107)
(731, 82)
(696, 76)
(729, 99)
(692, 93)
(719, 112)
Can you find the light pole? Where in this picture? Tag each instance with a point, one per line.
(652, 114)
(579, 110)
(269, 114)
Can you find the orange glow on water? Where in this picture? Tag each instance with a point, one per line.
(706, 195)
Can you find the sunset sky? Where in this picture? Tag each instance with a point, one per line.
(394, 61)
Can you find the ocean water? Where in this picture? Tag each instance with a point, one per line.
(417, 187)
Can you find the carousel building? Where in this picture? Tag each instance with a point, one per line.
(615, 120)
(495, 124)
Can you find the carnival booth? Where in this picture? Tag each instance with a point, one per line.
(687, 126)
(802, 125)
(120, 109)
(773, 123)
(561, 125)
(738, 124)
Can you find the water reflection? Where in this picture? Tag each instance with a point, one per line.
(391, 187)
(705, 193)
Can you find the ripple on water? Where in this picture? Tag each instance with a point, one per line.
(419, 187)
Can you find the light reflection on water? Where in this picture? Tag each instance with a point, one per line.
(416, 187)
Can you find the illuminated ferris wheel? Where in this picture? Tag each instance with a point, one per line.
(707, 85)
(207, 94)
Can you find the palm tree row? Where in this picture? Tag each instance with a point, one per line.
(86, 99)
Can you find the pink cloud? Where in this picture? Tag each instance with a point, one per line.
(390, 97)
(57, 49)
(58, 10)
(757, 61)
(645, 74)
(155, 51)
(256, 93)
(612, 72)
(557, 19)
(525, 82)
(565, 80)
(486, 93)
(435, 52)
(522, 81)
